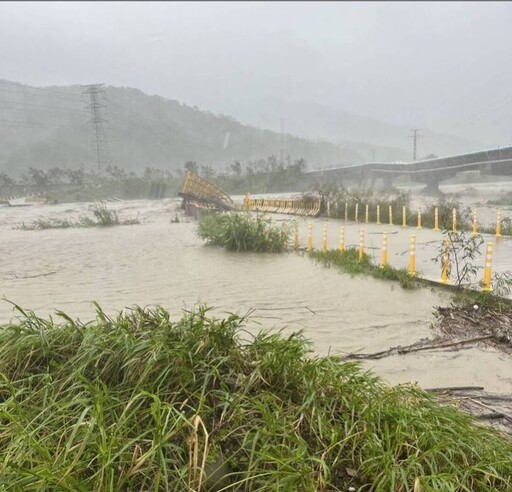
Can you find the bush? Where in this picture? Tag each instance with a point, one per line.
(243, 232)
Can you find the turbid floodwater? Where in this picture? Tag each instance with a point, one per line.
(163, 263)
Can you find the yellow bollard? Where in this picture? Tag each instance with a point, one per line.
(454, 220)
(445, 263)
(310, 238)
(378, 214)
(404, 217)
(384, 252)
(390, 215)
(346, 211)
(419, 218)
(342, 239)
(412, 256)
(324, 239)
(436, 219)
(366, 214)
(487, 287)
(475, 224)
(297, 239)
(498, 224)
(328, 209)
(356, 213)
(361, 244)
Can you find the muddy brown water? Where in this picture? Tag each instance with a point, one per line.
(164, 263)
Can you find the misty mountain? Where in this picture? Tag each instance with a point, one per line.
(47, 127)
(369, 137)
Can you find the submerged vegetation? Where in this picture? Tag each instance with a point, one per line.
(244, 232)
(103, 217)
(140, 402)
(348, 261)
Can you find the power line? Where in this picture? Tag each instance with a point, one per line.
(28, 123)
(4, 125)
(494, 107)
(39, 105)
(14, 84)
(24, 93)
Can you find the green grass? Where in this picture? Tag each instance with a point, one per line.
(237, 231)
(348, 262)
(141, 402)
(103, 217)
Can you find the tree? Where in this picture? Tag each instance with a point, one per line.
(6, 180)
(192, 166)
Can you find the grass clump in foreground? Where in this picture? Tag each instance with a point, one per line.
(103, 217)
(243, 232)
(140, 402)
(348, 262)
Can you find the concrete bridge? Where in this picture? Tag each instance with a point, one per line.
(496, 162)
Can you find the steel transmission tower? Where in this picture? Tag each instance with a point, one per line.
(95, 93)
(415, 138)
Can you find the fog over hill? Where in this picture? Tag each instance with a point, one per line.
(47, 127)
(50, 126)
(373, 139)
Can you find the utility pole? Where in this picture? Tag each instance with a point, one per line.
(415, 136)
(94, 91)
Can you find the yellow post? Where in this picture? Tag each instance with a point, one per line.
(247, 201)
(487, 287)
(356, 213)
(378, 214)
(384, 252)
(310, 238)
(419, 218)
(366, 214)
(404, 217)
(297, 239)
(412, 256)
(498, 224)
(361, 244)
(328, 209)
(390, 215)
(454, 220)
(445, 263)
(342, 239)
(436, 219)
(475, 224)
(324, 239)
(346, 211)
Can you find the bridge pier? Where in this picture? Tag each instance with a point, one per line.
(432, 188)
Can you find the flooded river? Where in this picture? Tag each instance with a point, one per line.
(164, 263)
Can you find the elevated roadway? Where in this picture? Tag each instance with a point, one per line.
(495, 162)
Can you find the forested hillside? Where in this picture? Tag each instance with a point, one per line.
(50, 127)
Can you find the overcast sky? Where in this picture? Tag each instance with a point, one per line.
(439, 65)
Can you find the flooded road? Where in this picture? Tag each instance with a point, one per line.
(164, 263)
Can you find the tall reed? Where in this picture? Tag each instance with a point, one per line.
(141, 402)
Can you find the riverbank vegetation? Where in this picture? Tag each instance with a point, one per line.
(341, 202)
(237, 231)
(102, 217)
(348, 261)
(76, 185)
(140, 402)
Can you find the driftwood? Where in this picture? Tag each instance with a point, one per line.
(418, 346)
(491, 409)
(14, 275)
(458, 327)
(469, 321)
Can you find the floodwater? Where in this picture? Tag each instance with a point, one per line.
(165, 263)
